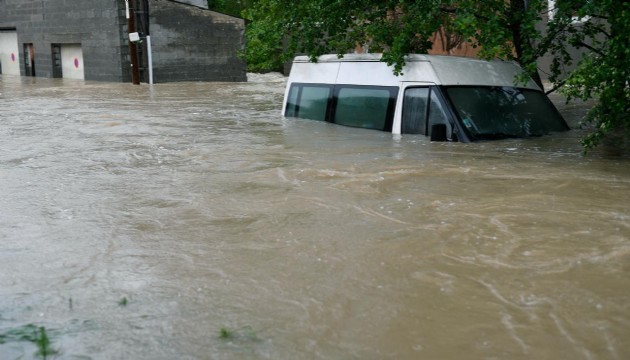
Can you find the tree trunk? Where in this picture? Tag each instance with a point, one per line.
(518, 8)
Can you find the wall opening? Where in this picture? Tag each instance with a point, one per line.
(29, 60)
(56, 59)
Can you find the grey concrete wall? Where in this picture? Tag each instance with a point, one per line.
(95, 24)
(544, 62)
(194, 44)
(190, 43)
(200, 3)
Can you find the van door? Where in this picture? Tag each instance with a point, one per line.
(421, 106)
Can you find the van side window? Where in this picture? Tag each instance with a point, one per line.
(368, 107)
(438, 116)
(308, 101)
(292, 107)
(419, 105)
(414, 114)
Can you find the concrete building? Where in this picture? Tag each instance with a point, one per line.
(88, 39)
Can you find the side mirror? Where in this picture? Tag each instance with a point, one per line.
(438, 132)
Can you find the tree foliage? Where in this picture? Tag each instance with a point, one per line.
(230, 7)
(316, 27)
(603, 73)
(503, 29)
(514, 30)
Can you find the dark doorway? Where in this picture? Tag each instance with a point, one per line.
(29, 60)
(56, 59)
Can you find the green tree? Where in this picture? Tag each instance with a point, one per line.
(506, 29)
(230, 7)
(503, 29)
(603, 73)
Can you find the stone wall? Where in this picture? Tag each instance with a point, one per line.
(200, 3)
(194, 44)
(95, 24)
(190, 43)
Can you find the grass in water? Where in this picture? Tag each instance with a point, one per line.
(23, 333)
(225, 333)
(43, 344)
(123, 301)
(31, 333)
(246, 334)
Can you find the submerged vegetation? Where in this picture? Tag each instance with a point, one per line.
(43, 344)
(34, 334)
(245, 334)
(225, 333)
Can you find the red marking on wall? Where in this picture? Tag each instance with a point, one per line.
(13, 57)
(76, 63)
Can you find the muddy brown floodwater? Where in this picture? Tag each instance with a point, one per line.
(192, 221)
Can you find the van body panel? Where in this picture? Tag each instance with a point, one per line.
(379, 74)
(367, 69)
(453, 70)
(324, 72)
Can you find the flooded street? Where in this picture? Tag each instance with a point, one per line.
(193, 221)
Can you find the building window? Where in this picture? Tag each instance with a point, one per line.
(554, 6)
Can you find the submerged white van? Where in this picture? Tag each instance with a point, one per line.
(445, 97)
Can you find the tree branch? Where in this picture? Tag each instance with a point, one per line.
(453, 10)
(556, 87)
(547, 41)
(587, 46)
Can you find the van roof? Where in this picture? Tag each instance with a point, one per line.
(438, 69)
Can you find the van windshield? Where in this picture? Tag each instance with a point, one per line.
(504, 112)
